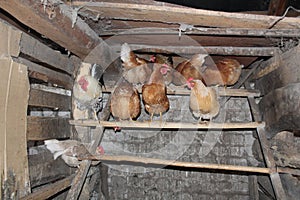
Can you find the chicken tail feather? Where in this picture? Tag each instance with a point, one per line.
(125, 52)
(198, 59)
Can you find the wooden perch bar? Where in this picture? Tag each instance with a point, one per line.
(214, 50)
(154, 161)
(173, 90)
(167, 125)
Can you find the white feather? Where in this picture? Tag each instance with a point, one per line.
(125, 52)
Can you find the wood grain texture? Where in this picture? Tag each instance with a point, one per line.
(42, 128)
(46, 99)
(177, 15)
(14, 87)
(55, 22)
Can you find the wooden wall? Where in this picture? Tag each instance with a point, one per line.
(35, 84)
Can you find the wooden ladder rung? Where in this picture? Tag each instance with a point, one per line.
(167, 125)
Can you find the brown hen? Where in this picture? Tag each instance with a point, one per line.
(125, 102)
(226, 72)
(189, 69)
(154, 92)
(168, 62)
(203, 101)
(136, 69)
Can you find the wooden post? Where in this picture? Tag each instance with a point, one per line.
(266, 151)
(14, 87)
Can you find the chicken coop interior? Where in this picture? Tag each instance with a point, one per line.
(182, 100)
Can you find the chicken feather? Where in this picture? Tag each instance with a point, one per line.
(135, 69)
(154, 92)
(189, 69)
(125, 102)
(203, 101)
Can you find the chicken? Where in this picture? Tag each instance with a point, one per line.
(71, 151)
(226, 72)
(189, 69)
(154, 92)
(203, 101)
(88, 94)
(136, 70)
(125, 102)
(168, 62)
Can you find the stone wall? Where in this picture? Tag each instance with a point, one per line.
(222, 147)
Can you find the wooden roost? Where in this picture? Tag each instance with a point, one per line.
(46, 45)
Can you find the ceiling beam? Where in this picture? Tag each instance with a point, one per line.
(56, 21)
(244, 32)
(175, 15)
(212, 50)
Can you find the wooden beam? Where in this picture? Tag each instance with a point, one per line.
(36, 51)
(167, 125)
(50, 190)
(214, 50)
(14, 87)
(177, 15)
(40, 98)
(42, 128)
(47, 75)
(173, 163)
(266, 150)
(244, 32)
(56, 21)
(174, 90)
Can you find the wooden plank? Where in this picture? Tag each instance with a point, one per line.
(46, 74)
(174, 90)
(42, 165)
(167, 125)
(46, 99)
(244, 32)
(9, 43)
(177, 15)
(14, 87)
(36, 51)
(160, 162)
(280, 109)
(283, 69)
(253, 187)
(215, 50)
(266, 150)
(42, 128)
(49, 190)
(56, 22)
